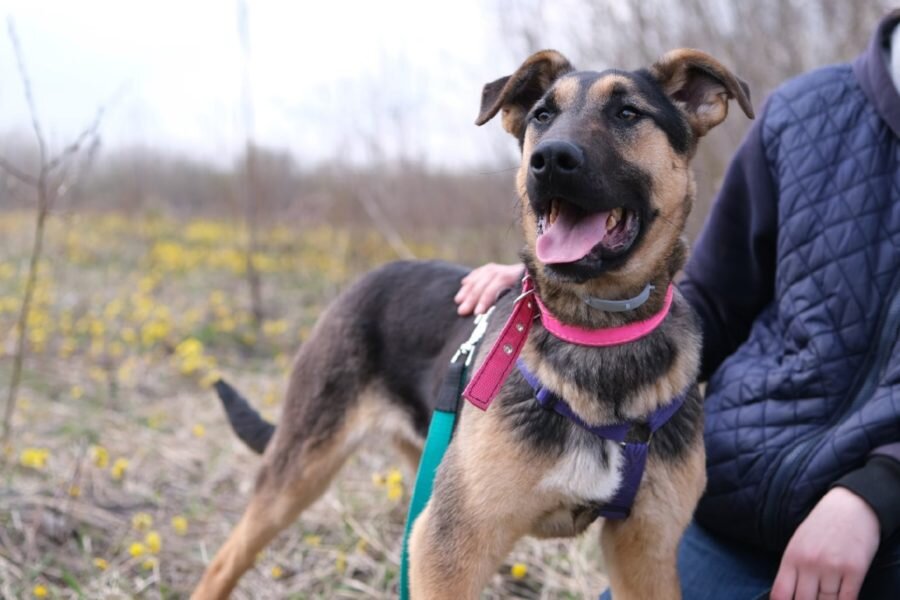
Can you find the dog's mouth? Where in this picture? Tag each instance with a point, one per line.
(568, 234)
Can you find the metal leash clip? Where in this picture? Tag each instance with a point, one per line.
(467, 348)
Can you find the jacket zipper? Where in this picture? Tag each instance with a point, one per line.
(789, 465)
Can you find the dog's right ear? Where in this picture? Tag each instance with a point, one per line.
(515, 94)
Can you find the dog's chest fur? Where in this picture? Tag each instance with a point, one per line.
(585, 473)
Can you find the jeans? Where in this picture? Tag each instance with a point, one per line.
(711, 568)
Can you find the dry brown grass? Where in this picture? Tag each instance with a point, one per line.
(88, 385)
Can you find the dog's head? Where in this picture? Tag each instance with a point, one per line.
(604, 182)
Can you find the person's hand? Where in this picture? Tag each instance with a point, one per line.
(481, 287)
(830, 553)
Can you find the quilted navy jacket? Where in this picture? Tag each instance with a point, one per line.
(796, 279)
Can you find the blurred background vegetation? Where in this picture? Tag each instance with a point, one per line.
(133, 274)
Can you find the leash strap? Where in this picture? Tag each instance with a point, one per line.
(440, 432)
(501, 359)
(634, 451)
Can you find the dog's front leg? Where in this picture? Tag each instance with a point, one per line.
(452, 558)
(641, 551)
(484, 500)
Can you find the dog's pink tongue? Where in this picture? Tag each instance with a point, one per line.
(571, 237)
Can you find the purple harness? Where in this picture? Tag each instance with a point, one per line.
(634, 438)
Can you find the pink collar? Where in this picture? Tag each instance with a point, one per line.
(611, 336)
(502, 357)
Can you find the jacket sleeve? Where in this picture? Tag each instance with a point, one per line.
(730, 276)
(878, 483)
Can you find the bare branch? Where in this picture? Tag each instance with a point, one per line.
(47, 190)
(88, 133)
(26, 82)
(14, 171)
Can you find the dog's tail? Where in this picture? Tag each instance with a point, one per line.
(249, 426)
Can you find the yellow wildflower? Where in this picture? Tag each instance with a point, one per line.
(101, 563)
(377, 479)
(40, 591)
(340, 562)
(313, 540)
(97, 374)
(394, 477)
(275, 328)
(276, 572)
(34, 458)
(96, 328)
(394, 492)
(180, 524)
(99, 454)
(74, 491)
(153, 541)
(137, 549)
(519, 570)
(189, 347)
(129, 336)
(76, 392)
(118, 469)
(149, 563)
(198, 430)
(67, 348)
(141, 521)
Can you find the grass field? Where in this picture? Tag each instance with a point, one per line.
(123, 477)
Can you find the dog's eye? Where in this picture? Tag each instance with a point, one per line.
(628, 113)
(543, 116)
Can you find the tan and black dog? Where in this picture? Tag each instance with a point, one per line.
(605, 189)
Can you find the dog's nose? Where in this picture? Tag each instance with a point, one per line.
(555, 157)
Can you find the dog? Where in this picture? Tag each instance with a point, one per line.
(605, 189)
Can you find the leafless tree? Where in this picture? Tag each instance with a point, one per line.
(251, 186)
(55, 176)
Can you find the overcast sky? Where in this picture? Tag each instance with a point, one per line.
(330, 78)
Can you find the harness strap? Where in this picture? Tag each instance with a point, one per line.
(634, 438)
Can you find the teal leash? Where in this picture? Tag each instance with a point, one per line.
(440, 432)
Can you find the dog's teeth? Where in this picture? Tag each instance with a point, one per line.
(615, 215)
(554, 211)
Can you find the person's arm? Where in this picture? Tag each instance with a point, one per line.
(878, 483)
(730, 276)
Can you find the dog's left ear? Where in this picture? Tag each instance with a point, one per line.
(701, 87)
(515, 94)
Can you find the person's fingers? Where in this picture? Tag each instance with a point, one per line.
(807, 585)
(481, 274)
(785, 582)
(486, 297)
(829, 586)
(463, 291)
(478, 294)
(472, 296)
(465, 306)
(851, 584)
